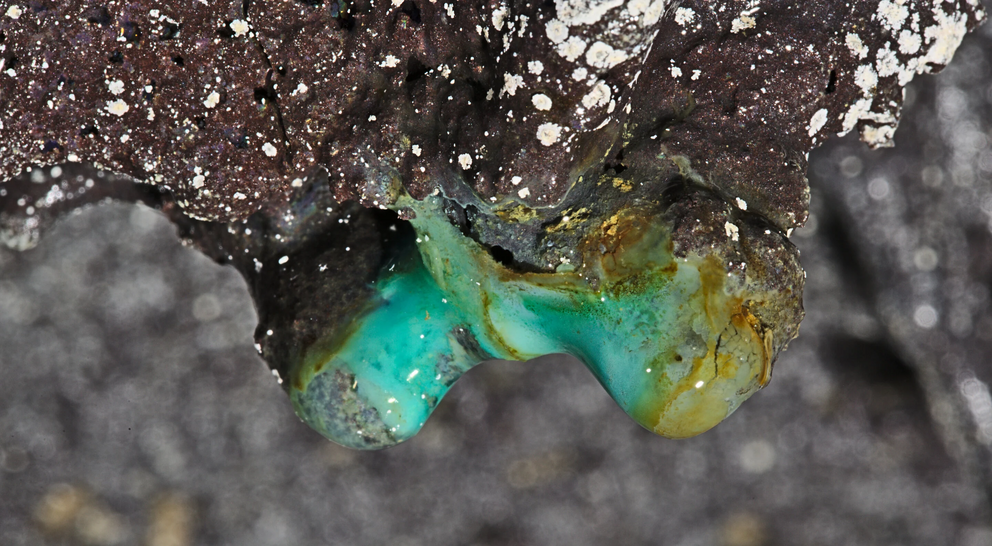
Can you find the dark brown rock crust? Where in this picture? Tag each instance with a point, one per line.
(225, 106)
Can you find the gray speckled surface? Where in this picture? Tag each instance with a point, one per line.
(133, 408)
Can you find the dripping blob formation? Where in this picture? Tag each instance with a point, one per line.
(412, 188)
(678, 338)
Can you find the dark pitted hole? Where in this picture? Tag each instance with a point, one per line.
(411, 10)
(678, 358)
(147, 93)
(479, 91)
(97, 15)
(131, 32)
(89, 131)
(237, 137)
(616, 164)
(178, 59)
(201, 122)
(116, 58)
(729, 104)
(415, 70)
(281, 69)
(456, 214)
(2, 37)
(264, 94)
(346, 20)
(832, 84)
(225, 31)
(170, 31)
(471, 212)
(51, 145)
(313, 4)
(502, 256)
(11, 62)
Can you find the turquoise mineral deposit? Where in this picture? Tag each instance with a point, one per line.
(669, 338)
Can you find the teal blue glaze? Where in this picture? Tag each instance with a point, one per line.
(652, 330)
(667, 338)
(400, 360)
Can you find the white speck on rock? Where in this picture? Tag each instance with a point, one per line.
(240, 27)
(676, 71)
(465, 161)
(696, 74)
(742, 23)
(866, 78)
(741, 204)
(684, 16)
(598, 96)
(541, 101)
(909, 42)
(117, 107)
(818, 120)
(891, 14)
(269, 149)
(860, 109)
(535, 67)
(878, 136)
(602, 55)
(524, 193)
(415, 149)
(213, 99)
(283, 261)
(510, 84)
(516, 180)
(887, 63)
(653, 12)
(556, 30)
(198, 181)
(572, 48)
(945, 36)
(548, 133)
(391, 61)
(116, 87)
(732, 231)
(583, 12)
(14, 11)
(856, 46)
(499, 17)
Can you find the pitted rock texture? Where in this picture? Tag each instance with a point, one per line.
(172, 95)
(227, 105)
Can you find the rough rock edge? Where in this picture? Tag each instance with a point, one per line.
(750, 125)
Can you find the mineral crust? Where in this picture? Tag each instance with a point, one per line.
(524, 147)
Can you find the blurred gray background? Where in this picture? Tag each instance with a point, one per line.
(134, 409)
